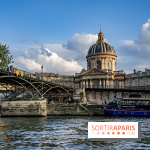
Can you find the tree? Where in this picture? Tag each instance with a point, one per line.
(5, 58)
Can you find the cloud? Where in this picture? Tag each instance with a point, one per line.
(81, 43)
(145, 32)
(29, 64)
(57, 58)
(135, 54)
(34, 58)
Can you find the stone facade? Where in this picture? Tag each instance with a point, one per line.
(61, 79)
(107, 61)
(101, 83)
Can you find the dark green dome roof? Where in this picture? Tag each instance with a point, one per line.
(101, 46)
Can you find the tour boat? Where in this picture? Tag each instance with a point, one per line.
(129, 107)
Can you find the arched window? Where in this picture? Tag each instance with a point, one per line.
(89, 65)
(99, 64)
(109, 65)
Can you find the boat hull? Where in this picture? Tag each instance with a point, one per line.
(126, 113)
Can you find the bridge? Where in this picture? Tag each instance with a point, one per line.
(18, 82)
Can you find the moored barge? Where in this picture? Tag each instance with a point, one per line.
(129, 107)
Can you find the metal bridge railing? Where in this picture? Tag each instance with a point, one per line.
(19, 72)
(23, 73)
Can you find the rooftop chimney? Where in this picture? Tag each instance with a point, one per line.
(135, 71)
(146, 69)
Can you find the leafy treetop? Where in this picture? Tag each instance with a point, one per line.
(5, 59)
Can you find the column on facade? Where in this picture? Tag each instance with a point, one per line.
(83, 84)
(102, 63)
(111, 85)
(107, 83)
(106, 64)
(119, 84)
(91, 83)
(113, 66)
(95, 62)
(103, 83)
(100, 83)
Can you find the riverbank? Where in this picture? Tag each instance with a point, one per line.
(74, 109)
(39, 108)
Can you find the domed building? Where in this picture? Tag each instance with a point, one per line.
(101, 82)
(101, 55)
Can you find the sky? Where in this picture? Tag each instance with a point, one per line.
(57, 34)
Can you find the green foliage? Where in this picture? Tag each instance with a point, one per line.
(5, 59)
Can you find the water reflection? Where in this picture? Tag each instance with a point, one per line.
(63, 132)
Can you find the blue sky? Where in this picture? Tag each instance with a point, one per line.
(36, 28)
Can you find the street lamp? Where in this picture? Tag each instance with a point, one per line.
(42, 79)
(42, 72)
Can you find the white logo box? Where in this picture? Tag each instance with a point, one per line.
(112, 130)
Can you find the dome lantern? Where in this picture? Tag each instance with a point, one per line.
(101, 37)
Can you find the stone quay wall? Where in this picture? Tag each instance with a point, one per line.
(39, 108)
(24, 107)
(73, 109)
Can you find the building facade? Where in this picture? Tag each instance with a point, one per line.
(60, 79)
(101, 82)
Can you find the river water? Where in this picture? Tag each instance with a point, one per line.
(64, 132)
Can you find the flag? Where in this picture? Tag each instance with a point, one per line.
(96, 65)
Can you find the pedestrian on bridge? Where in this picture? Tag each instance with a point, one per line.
(11, 68)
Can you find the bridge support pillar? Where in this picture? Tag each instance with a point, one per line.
(24, 107)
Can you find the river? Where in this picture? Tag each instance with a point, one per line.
(64, 132)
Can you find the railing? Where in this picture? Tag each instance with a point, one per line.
(91, 113)
(118, 87)
(25, 73)
(33, 75)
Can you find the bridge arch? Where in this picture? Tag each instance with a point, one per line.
(56, 87)
(23, 80)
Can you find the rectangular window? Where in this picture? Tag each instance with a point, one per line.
(80, 85)
(137, 82)
(144, 81)
(116, 82)
(129, 82)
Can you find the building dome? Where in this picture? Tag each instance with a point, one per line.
(101, 55)
(101, 46)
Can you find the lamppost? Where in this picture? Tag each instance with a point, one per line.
(42, 79)
(0, 63)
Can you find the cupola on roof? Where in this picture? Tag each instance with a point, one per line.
(101, 46)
